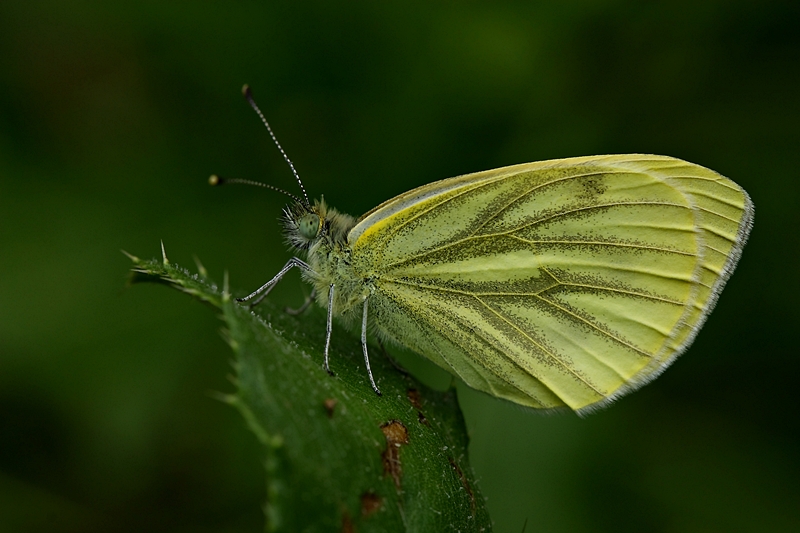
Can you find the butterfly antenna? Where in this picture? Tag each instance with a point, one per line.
(248, 95)
(216, 180)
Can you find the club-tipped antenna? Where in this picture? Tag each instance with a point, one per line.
(216, 180)
(248, 95)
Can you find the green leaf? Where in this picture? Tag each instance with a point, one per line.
(339, 457)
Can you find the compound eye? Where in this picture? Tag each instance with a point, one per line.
(308, 225)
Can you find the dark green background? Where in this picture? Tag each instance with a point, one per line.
(112, 115)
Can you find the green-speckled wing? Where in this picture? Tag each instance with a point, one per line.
(559, 283)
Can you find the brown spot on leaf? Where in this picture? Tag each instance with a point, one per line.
(330, 404)
(464, 483)
(370, 502)
(396, 435)
(395, 432)
(347, 523)
(415, 398)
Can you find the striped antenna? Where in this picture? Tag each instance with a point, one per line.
(248, 95)
(216, 180)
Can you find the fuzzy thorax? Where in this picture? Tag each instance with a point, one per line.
(321, 233)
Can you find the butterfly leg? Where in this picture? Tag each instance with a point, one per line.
(328, 329)
(262, 291)
(305, 305)
(364, 346)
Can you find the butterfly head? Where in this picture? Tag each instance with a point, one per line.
(306, 225)
(303, 224)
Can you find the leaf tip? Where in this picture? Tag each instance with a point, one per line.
(131, 257)
(230, 399)
(164, 253)
(226, 293)
(200, 268)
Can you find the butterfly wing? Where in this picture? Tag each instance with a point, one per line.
(558, 283)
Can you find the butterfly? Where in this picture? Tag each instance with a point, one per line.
(556, 284)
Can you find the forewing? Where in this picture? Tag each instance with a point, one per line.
(557, 283)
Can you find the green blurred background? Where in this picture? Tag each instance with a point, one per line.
(113, 114)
